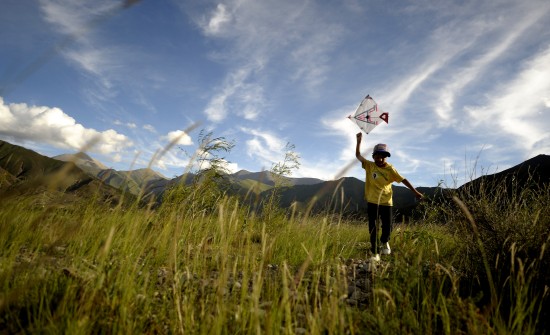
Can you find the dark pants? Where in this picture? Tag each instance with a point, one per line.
(386, 215)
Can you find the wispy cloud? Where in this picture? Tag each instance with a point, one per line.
(508, 31)
(149, 128)
(75, 17)
(260, 37)
(75, 21)
(264, 146)
(216, 22)
(238, 95)
(518, 108)
(466, 54)
(85, 46)
(130, 125)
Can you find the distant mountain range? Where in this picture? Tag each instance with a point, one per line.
(265, 177)
(134, 181)
(18, 166)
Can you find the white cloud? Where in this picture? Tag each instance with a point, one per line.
(178, 137)
(541, 147)
(232, 167)
(268, 149)
(216, 110)
(167, 162)
(172, 162)
(21, 123)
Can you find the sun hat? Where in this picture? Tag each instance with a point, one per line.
(381, 148)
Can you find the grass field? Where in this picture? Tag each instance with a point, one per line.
(207, 264)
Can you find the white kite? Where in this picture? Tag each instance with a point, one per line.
(368, 115)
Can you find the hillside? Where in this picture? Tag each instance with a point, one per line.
(83, 161)
(133, 270)
(345, 194)
(143, 177)
(533, 173)
(24, 172)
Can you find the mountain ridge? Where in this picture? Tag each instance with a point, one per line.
(346, 193)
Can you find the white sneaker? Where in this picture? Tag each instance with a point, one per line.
(385, 250)
(375, 258)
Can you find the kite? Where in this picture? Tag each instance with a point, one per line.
(368, 115)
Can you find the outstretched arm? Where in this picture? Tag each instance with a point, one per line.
(358, 148)
(417, 194)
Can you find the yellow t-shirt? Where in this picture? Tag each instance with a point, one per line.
(378, 182)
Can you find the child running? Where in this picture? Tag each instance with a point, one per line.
(378, 193)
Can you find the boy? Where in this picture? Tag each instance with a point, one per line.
(378, 193)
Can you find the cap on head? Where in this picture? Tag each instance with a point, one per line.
(381, 148)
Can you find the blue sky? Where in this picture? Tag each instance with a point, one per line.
(466, 83)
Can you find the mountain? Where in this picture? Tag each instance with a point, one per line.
(243, 183)
(265, 177)
(345, 194)
(119, 180)
(155, 188)
(134, 181)
(534, 173)
(24, 172)
(83, 161)
(152, 183)
(20, 167)
(144, 176)
(6, 179)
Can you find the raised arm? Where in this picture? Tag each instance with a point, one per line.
(358, 148)
(417, 194)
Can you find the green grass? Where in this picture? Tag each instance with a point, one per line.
(255, 186)
(212, 266)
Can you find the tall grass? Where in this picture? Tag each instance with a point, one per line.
(208, 264)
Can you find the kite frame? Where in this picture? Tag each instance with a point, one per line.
(365, 115)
